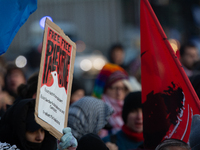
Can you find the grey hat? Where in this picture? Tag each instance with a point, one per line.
(195, 133)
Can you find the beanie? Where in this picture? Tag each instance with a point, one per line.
(109, 74)
(195, 133)
(91, 142)
(131, 102)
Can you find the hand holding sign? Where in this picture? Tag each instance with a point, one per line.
(68, 140)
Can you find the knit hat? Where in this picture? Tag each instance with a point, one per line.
(88, 115)
(195, 133)
(131, 102)
(109, 74)
(91, 142)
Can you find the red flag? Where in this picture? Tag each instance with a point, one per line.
(167, 94)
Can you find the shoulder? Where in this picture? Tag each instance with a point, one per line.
(106, 139)
(112, 137)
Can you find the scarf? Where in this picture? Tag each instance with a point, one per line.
(138, 137)
(88, 115)
(34, 146)
(115, 120)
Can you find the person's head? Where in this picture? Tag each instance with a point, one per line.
(195, 133)
(132, 112)
(35, 136)
(29, 89)
(118, 88)
(88, 115)
(77, 91)
(188, 55)
(113, 82)
(91, 141)
(14, 77)
(34, 132)
(116, 54)
(173, 144)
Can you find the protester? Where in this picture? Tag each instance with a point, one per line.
(18, 127)
(194, 133)
(117, 55)
(5, 98)
(195, 81)
(112, 86)
(88, 115)
(131, 134)
(173, 144)
(77, 91)
(14, 77)
(188, 58)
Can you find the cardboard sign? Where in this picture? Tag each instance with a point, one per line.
(55, 80)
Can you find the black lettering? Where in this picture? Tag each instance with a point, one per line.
(48, 53)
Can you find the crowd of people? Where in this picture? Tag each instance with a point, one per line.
(110, 118)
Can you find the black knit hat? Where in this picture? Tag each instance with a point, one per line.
(91, 142)
(131, 102)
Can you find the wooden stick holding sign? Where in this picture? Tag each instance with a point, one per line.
(55, 80)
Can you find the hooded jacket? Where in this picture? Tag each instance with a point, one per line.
(13, 127)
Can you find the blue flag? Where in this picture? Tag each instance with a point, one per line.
(13, 14)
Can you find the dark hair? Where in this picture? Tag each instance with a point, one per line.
(132, 102)
(172, 142)
(112, 49)
(9, 70)
(76, 85)
(184, 46)
(11, 67)
(29, 89)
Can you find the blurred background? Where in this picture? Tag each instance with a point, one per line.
(95, 25)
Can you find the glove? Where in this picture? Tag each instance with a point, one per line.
(67, 140)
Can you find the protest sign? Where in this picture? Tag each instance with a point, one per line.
(55, 79)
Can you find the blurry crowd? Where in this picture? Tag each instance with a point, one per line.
(110, 118)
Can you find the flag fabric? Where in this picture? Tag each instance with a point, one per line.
(167, 94)
(13, 15)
